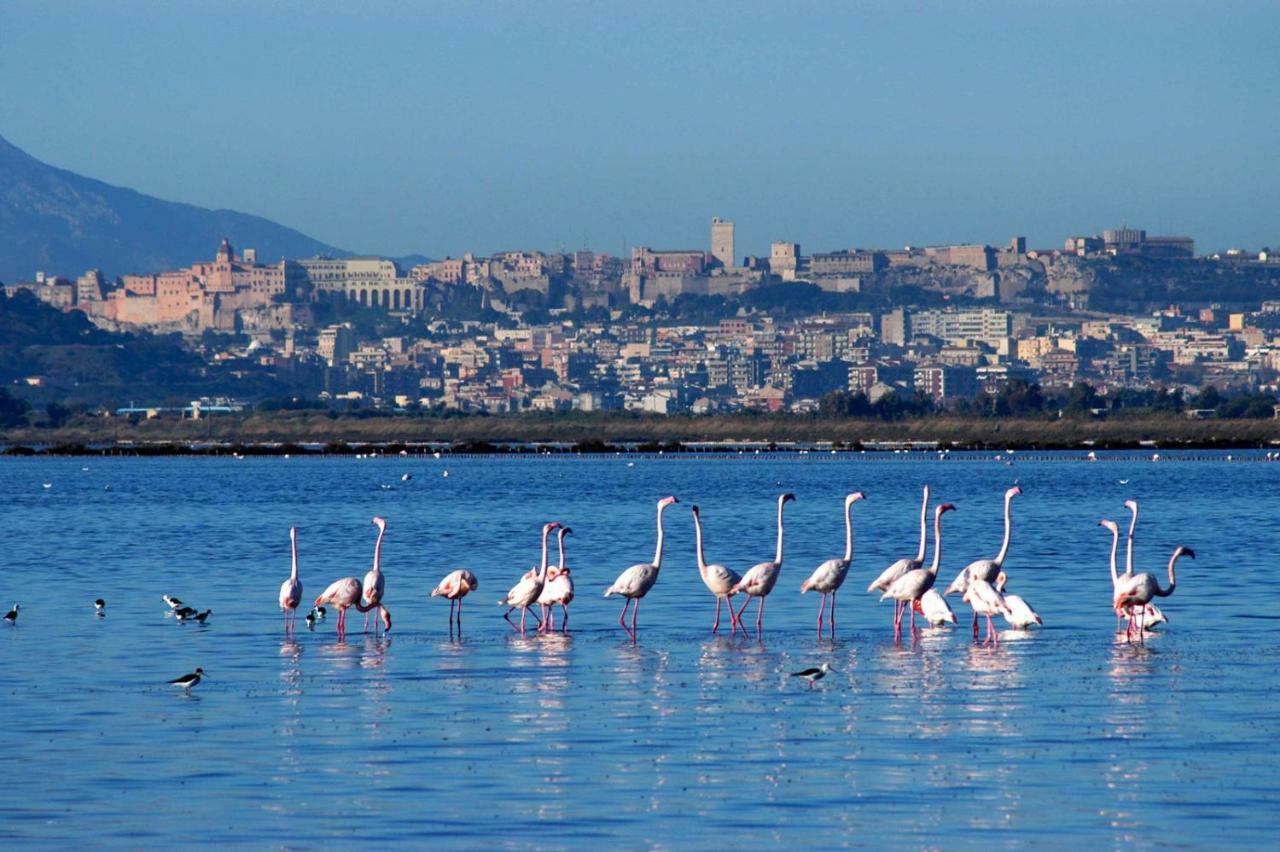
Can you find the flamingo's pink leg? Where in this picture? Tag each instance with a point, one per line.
(716, 625)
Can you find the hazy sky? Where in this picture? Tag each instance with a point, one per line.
(446, 127)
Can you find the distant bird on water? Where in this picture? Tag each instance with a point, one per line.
(174, 603)
(202, 617)
(12, 615)
(813, 675)
(183, 613)
(187, 681)
(100, 606)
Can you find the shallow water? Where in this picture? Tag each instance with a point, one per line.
(679, 739)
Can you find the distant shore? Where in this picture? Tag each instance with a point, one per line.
(313, 432)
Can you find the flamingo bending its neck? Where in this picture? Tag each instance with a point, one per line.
(1020, 615)
(760, 579)
(454, 587)
(902, 566)
(635, 582)
(911, 586)
(828, 577)
(1139, 589)
(291, 589)
(933, 606)
(718, 579)
(345, 594)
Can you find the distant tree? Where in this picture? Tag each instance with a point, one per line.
(13, 410)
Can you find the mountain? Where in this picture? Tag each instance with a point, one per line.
(63, 223)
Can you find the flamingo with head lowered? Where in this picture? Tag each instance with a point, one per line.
(454, 587)
(828, 577)
(760, 579)
(635, 582)
(902, 566)
(291, 589)
(345, 594)
(525, 593)
(911, 586)
(718, 579)
(1138, 590)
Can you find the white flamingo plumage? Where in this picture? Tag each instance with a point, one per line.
(455, 586)
(902, 566)
(718, 579)
(635, 582)
(1138, 590)
(524, 594)
(828, 577)
(345, 594)
(374, 582)
(988, 569)
(986, 600)
(291, 589)
(935, 609)
(558, 589)
(911, 586)
(760, 579)
(1020, 615)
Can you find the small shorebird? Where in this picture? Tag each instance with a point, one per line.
(188, 680)
(183, 613)
(100, 606)
(813, 675)
(311, 619)
(12, 615)
(320, 612)
(202, 617)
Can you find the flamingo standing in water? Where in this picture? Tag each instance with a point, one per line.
(344, 594)
(374, 581)
(911, 586)
(291, 589)
(987, 569)
(1020, 615)
(454, 587)
(828, 577)
(902, 566)
(635, 582)
(760, 579)
(718, 579)
(933, 606)
(1139, 589)
(524, 594)
(986, 599)
(558, 589)
(1151, 614)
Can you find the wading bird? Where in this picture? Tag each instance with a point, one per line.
(635, 582)
(828, 577)
(524, 594)
(902, 566)
(760, 579)
(374, 582)
(718, 579)
(454, 587)
(291, 589)
(558, 589)
(911, 586)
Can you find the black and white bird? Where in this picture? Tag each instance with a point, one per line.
(100, 606)
(406, 477)
(188, 680)
(320, 612)
(173, 602)
(311, 620)
(202, 617)
(183, 613)
(813, 675)
(12, 615)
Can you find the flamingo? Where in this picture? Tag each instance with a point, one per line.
(1115, 577)
(635, 582)
(291, 589)
(374, 581)
(524, 594)
(760, 579)
(454, 587)
(1141, 588)
(828, 577)
(911, 586)
(986, 600)
(1020, 615)
(558, 589)
(1151, 615)
(344, 594)
(987, 569)
(933, 606)
(717, 578)
(902, 566)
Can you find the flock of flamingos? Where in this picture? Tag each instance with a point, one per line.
(907, 582)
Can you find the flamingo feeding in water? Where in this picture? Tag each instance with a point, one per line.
(374, 581)
(911, 586)
(558, 589)
(933, 606)
(524, 594)
(828, 577)
(902, 566)
(760, 579)
(718, 579)
(1139, 589)
(345, 594)
(454, 587)
(986, 600)
(1020, 615)
(635, 582)
(987, 569)
(291, 589)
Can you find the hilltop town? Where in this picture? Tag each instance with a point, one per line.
(706, 331)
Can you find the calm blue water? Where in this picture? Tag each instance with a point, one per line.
(682, 739)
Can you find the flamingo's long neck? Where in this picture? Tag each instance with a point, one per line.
(542, 572)
(1008, 529)
(924, 525)
(697, 538)
(1173, 580)
(561, 543)
(1115, 545)
(848, 531)
(377, 551)
(937, 542)
(778, 557)
(657, 554)
(1128, 558)
(293, 548)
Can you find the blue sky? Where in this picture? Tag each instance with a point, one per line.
(446, 127)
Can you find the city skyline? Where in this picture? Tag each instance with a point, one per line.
(834, 126)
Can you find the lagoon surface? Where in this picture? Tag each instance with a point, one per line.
(1060, 735)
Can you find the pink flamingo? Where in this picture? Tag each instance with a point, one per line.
(986, 600)
(524, 594)
(933, 606)
(760, 579)
(911, 586)
(291, 589)
(454, 587)
(830, 575)
(902, 566)
(987, 569)
(558, 589)
(344, 594)
(635, 582)
(1139, 589)
(374, 581)
(717, 578)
